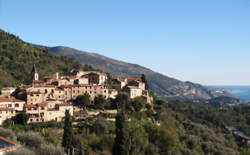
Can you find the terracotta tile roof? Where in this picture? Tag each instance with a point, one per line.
(134, 79)
(42, 104)
(11, 99)
(30, 105)
(37, 81)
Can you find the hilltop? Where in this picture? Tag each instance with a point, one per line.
(17, 58)
(162, 85)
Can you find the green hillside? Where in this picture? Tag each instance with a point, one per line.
(17, 58)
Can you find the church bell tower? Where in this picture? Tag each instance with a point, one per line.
(34, 73)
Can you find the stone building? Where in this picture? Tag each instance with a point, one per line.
(47, 111)
(6, 113)
(7, 91)
(11, 102)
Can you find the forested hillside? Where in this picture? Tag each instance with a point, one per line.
(17, 58)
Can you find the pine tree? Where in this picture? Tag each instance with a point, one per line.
(122, 140)
(67, 142)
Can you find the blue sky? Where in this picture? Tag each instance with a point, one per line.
(203, 41)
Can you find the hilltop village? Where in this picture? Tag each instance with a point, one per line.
(48, 99)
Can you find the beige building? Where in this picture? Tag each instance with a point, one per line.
(11, 102)
(6, 113)
(47, 111)
(136, 82)
(7, 91)
(96, 78)
(35, 97)
(133, 91)
(121, 81)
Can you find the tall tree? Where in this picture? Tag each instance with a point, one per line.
(122, 140)
(67, 141)
(144, 79)
(121, 100)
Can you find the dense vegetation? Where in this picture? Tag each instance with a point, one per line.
(175, 127)
(17, 58)
(237, 116)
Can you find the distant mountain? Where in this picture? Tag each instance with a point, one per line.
(162, 85)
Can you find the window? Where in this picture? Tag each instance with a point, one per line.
(42, 108)
(9, 105)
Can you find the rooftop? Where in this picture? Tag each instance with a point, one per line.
(9, 99)
(6, 143)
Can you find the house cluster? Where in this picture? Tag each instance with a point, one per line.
(48, 99)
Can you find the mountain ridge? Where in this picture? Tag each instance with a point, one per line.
(162, 85)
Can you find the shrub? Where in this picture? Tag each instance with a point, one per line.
(7, 133)
(21, 151)
(49, 149)
(30, 139)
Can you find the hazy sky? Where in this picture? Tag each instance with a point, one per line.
(203, 41)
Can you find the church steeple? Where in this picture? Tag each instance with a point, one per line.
(34, 73)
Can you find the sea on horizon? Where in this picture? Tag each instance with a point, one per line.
(242, 92)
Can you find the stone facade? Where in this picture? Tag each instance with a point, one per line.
(6, 113)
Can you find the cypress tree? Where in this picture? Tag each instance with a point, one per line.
(67, 141)
(144, 79)
(122, 140)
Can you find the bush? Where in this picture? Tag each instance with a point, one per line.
(7, 133)
(49, 149)
(30, 139)
(21, 151)
(100, 127)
